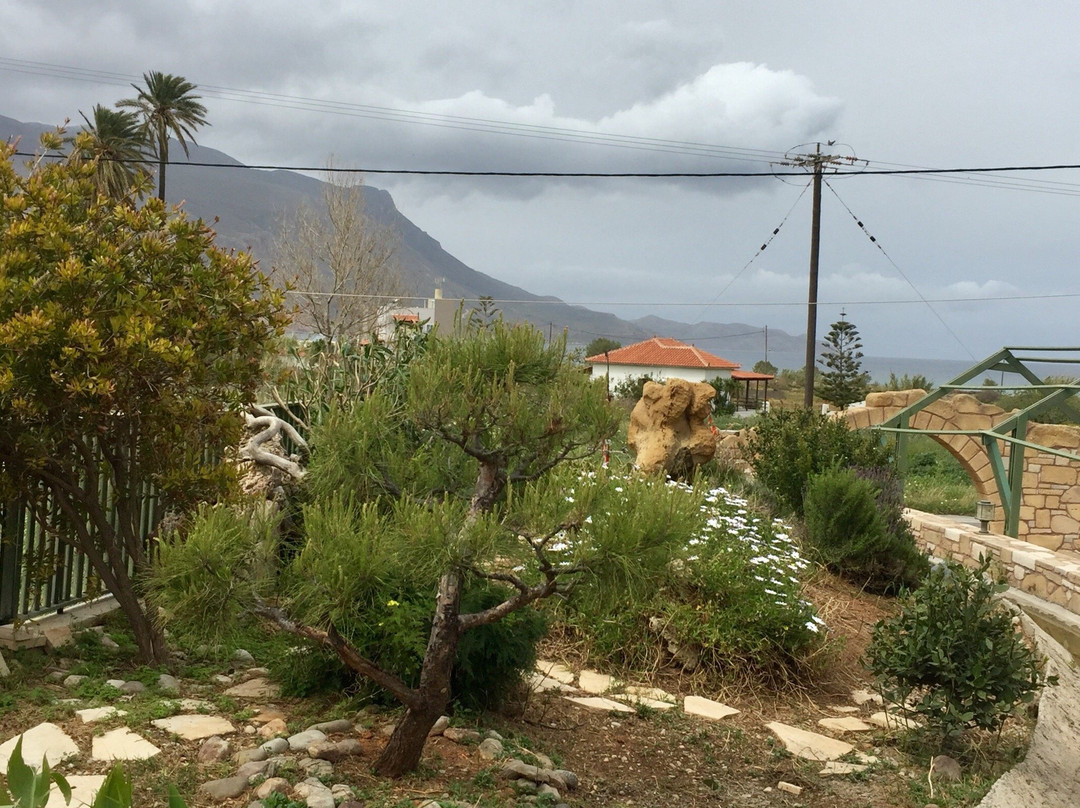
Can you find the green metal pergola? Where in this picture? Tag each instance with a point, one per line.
(1012, 430)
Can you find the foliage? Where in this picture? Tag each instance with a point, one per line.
(341, 264)
(855, 527)
(841, 380)
(727, 393)
(114, 143)
(601, 345)
(167, 106)
(788, 447)
(315, 377)
(766, 367)
(421, 507)
(934, 480)
(914, 382)
(953, 654)
(702, 574)
(127, 342)
(30, 789)
(1067, 412)
(632, 387)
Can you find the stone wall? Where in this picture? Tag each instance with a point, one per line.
(1051, 576)
(1050, 503)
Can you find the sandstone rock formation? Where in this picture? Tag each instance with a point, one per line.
(669, 427)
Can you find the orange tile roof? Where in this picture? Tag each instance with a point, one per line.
(750, 375)
(663, 352)
(407, 318)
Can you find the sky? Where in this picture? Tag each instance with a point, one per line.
(961, 264)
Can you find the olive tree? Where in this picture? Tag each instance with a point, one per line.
(454, 477)
(128, 345)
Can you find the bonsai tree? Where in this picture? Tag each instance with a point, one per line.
(448, 480)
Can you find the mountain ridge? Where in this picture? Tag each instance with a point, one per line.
(246, 207)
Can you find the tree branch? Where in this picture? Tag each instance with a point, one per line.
(271, 426)
(349, 655)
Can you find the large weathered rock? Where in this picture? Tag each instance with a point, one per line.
(669, 429)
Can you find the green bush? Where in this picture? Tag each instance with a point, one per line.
(631, 388)
(855, 528)
(723, 586)
(952, 653)
(788, 447)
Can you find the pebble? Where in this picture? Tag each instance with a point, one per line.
(221, 679)
(131, 688)
(268, 787)
(275, 726)
(302, 740)
(490, 749)
(242, 659)
(275, 746)
(213, 750)
(317, 768)
(117, 683)
(74, 680)
(226, 789)
(168, 684)
(248, 755)
(459, 735)
(253, 768)
(547, 790)
(330, 727)
(439, 726)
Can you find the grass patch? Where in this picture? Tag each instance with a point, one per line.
(934, 480)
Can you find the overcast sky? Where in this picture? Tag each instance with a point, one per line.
(930, 84)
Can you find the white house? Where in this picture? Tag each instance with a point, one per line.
(661, 358)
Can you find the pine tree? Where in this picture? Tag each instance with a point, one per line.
(842, 381)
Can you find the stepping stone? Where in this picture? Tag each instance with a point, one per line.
(257, 688)
(194, 705)
(842, 767)
(809, 745)
(848, 723)
(45, 740)
(593, 682)
(655, 693)
(266, 716)
(84, 787)
(92, 714)
(843, 708)
(600, 703)
(555, 670)
(122, 744)
(861, 697)
(195, 727)
(539, 683)
(707, 708)
(654, 704)
(883, 719)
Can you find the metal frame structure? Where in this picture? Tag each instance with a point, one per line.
(1012, 430)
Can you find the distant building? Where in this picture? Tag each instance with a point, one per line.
(437, 311)
(663, 358)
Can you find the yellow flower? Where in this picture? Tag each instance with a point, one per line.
(392, 603)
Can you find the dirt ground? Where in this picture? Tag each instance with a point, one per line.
(646, 759)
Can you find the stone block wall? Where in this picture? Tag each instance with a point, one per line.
(1049, 575)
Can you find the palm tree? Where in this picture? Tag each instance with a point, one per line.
(167, 107)
(114, 140)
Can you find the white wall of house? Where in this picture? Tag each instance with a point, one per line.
(620, 373)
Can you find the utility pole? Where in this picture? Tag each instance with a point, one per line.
(816, 162)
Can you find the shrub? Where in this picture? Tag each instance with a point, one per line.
(725, 586)
(855, 527)
(953, 654)
(631, 388)
(788, 447)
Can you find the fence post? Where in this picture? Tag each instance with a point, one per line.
(10, 546)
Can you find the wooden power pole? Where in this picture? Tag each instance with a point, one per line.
(816, 162)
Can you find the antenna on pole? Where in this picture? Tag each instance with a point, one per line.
(817, 163)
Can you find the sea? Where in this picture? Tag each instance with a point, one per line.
(939, 371)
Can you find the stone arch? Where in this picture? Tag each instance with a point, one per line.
(959, 411)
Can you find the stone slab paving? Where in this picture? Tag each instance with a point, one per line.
(195, 727)
(840, 767)
(555, 670)
(257, 688)
(93, 714)
(122, 744)
(707, 708)
(650, 693)
(45, 740)
(539, 683)
(600, 703)
(848, 723)
(645, 701)
(84, 787)
(809, 745)
(594, 682)
(888, 721)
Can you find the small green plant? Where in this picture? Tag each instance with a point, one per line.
(631, 388)
(952, 653)
(855, 527)
(788, 447)
(30, 789)
(276, 799)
